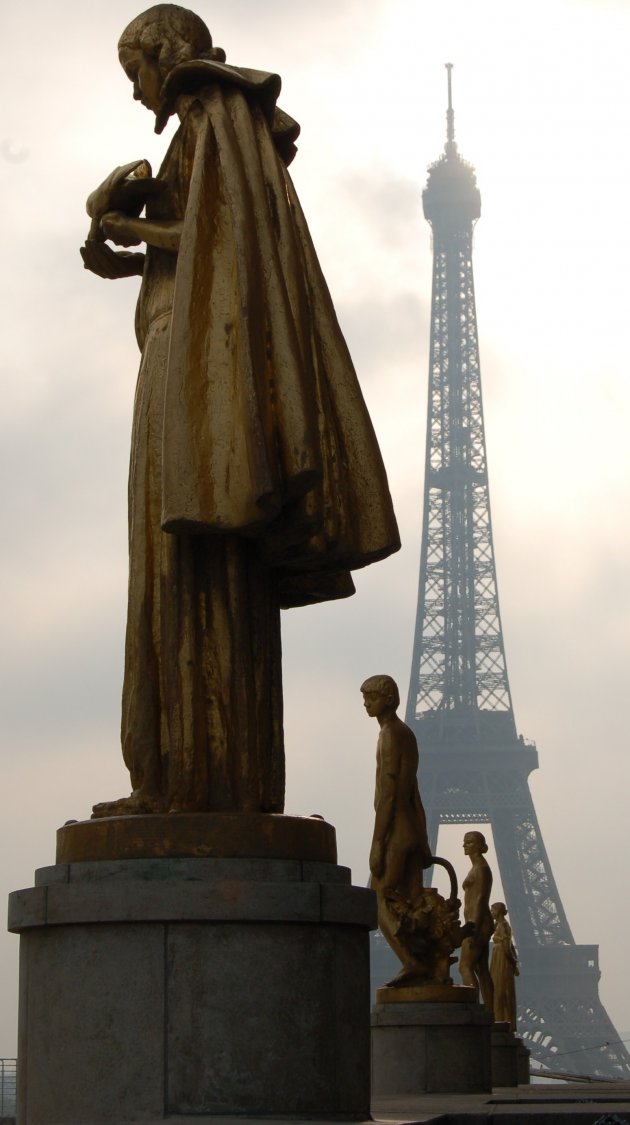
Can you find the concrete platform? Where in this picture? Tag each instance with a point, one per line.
(575, 1104)
(579, 1103)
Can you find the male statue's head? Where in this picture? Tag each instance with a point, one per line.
(153, 44)
(380, 695)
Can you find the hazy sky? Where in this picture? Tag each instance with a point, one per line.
(542, 111)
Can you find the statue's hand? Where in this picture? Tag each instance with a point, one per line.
(117, 226)
(103, 199)
(376, 859)
(108, 263)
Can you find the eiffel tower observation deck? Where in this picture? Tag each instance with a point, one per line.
(474, 766)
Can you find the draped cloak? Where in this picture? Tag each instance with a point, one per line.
(256, 480)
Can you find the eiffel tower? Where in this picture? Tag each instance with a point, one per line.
(474, 766)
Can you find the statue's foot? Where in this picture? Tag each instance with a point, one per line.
(178, 806)
(134, 805)
(408, 975)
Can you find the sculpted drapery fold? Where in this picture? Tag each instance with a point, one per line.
(265, 428)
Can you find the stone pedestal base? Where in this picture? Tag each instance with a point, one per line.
(152, 988)
(430, 1048)
(510, 1059)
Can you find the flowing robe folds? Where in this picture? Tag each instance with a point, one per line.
(503, 970)
(256, 481)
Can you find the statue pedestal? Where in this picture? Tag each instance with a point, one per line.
(510, 1058)
(152, 987)
(429, 1040)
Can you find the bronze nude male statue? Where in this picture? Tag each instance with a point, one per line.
(420, 925)
(256, 482)
(400, 848)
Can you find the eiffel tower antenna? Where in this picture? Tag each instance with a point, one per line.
(450, 113)
(474, 767)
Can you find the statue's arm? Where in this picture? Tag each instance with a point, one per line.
(127, 187)
(482, 898)
(127, 230)
(513, 956)
(385, 804)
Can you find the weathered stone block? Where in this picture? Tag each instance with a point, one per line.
(422, 1048)
(145, 995)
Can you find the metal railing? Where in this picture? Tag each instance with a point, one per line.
(7, 1087)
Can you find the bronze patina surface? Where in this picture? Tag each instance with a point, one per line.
(198, 835)
(426, 994)
(503, 968)
(256, 482)
(421, 926)
(473, 958)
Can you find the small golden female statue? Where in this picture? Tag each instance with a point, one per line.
(503, 967)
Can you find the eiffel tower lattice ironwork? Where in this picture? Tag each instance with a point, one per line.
(474, 766)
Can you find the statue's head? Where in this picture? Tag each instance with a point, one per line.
(169, 34)
(380, 693)
(475, 842)
(498, 910)
(157, 41)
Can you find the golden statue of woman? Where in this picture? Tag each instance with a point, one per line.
(503, 967)
(256, 481)
(473, 959)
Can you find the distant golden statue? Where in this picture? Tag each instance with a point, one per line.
(256, 481)
(503, 967)
(420, 925)
(473, 958)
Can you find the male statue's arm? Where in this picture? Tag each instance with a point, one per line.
(385, 805)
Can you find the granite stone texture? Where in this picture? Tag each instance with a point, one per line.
(429, 1047)
(510, 1059)
(187, 987)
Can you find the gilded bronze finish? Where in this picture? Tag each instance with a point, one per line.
(426, 994)
(199, 836)
(421, 926)
(503, 967)
(473, 958)
(256, 482)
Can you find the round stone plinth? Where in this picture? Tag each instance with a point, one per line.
(198, 836)
(153, 989)
(426, 993)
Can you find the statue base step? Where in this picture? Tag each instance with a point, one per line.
(421, 993)
(430, 1048)
(197, 835)
(510, 1058)
(152, 988)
